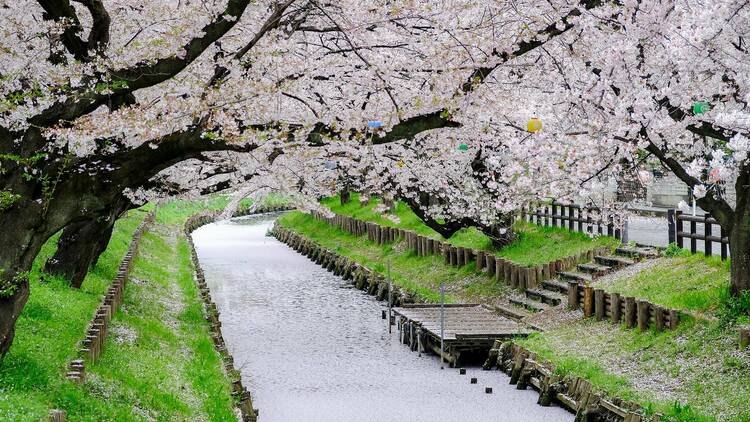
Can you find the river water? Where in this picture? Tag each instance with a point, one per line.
(313, 349)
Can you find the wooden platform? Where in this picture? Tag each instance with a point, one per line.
(469, 328)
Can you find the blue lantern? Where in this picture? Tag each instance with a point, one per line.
(374, 124)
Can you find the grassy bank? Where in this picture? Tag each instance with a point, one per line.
(158, 363)
(418, 274)
(50, 327)
(535, 244)
(694, 373)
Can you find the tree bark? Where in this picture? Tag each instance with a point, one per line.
(82, 242)
(78, 249)
(345, 196)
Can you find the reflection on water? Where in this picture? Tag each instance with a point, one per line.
(312, 348)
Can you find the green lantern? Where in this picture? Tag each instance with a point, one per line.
(700, 107)
(463, 147)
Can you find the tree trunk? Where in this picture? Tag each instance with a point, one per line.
(78, 248)
(82, 242)
(345, 196)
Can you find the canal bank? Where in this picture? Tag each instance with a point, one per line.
(310, 347)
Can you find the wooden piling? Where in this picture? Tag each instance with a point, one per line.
(480, 260)
(588, 301)
(630, 312)
(615, 305)
(572, 295)
(642, 310)
(599, 310)
(744, 338)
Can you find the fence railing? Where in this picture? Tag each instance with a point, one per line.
(684, 226)
(574, 218)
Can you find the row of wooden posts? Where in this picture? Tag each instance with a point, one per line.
(574, 218)
(96, 334)
(211, 313)
(515, 275)
(526, 369)
(620, 309)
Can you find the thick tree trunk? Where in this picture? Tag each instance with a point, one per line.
(10, 309)
(345, 196)
(82, 242)
(78, 248)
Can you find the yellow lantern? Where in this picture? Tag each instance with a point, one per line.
(534, 125)
(400, 163)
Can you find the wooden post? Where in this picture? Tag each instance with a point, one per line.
(480, 260)
(56, 415)
(491, 264)
(673, 319)
(615, 305)
(531, 281)
(599, 304)
(744, 338)
(630, 312)
(522, 280)
(659, 318)
(642, 308)
(447, 256)
(539, 275)
(572, 295)
(507, 269)
(499, 265)
(454, 260)
(460, 256)
(588, 301)
(467, 256)
(514, 276)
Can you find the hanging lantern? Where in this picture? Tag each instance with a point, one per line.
(374, 124)
(700, 107)
(463, 147)
(534, 125)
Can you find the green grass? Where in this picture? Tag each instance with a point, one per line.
(534, 246)
(169, 372)
(687, 281)
(417, 274)
(49, 328)
(159, 355)
(697, 365)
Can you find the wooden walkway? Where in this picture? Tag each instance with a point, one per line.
(469, 329)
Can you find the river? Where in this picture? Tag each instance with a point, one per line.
(313, 349)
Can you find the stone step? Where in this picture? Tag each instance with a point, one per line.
(594, 269)
(545, 296)
(528, 304)
(576, 276)
(613, 261)
(637, 252)
(555, 286)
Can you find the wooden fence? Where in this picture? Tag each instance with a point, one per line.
(620, 309)
(573, 217)
(683, 226)
(515, 275)
(96, 334)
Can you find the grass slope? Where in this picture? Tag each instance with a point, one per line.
(419, 274)
(535, 244)
(694, 373)
(159, 362)
(686, 282)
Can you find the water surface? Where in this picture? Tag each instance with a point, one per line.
(313, 349)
